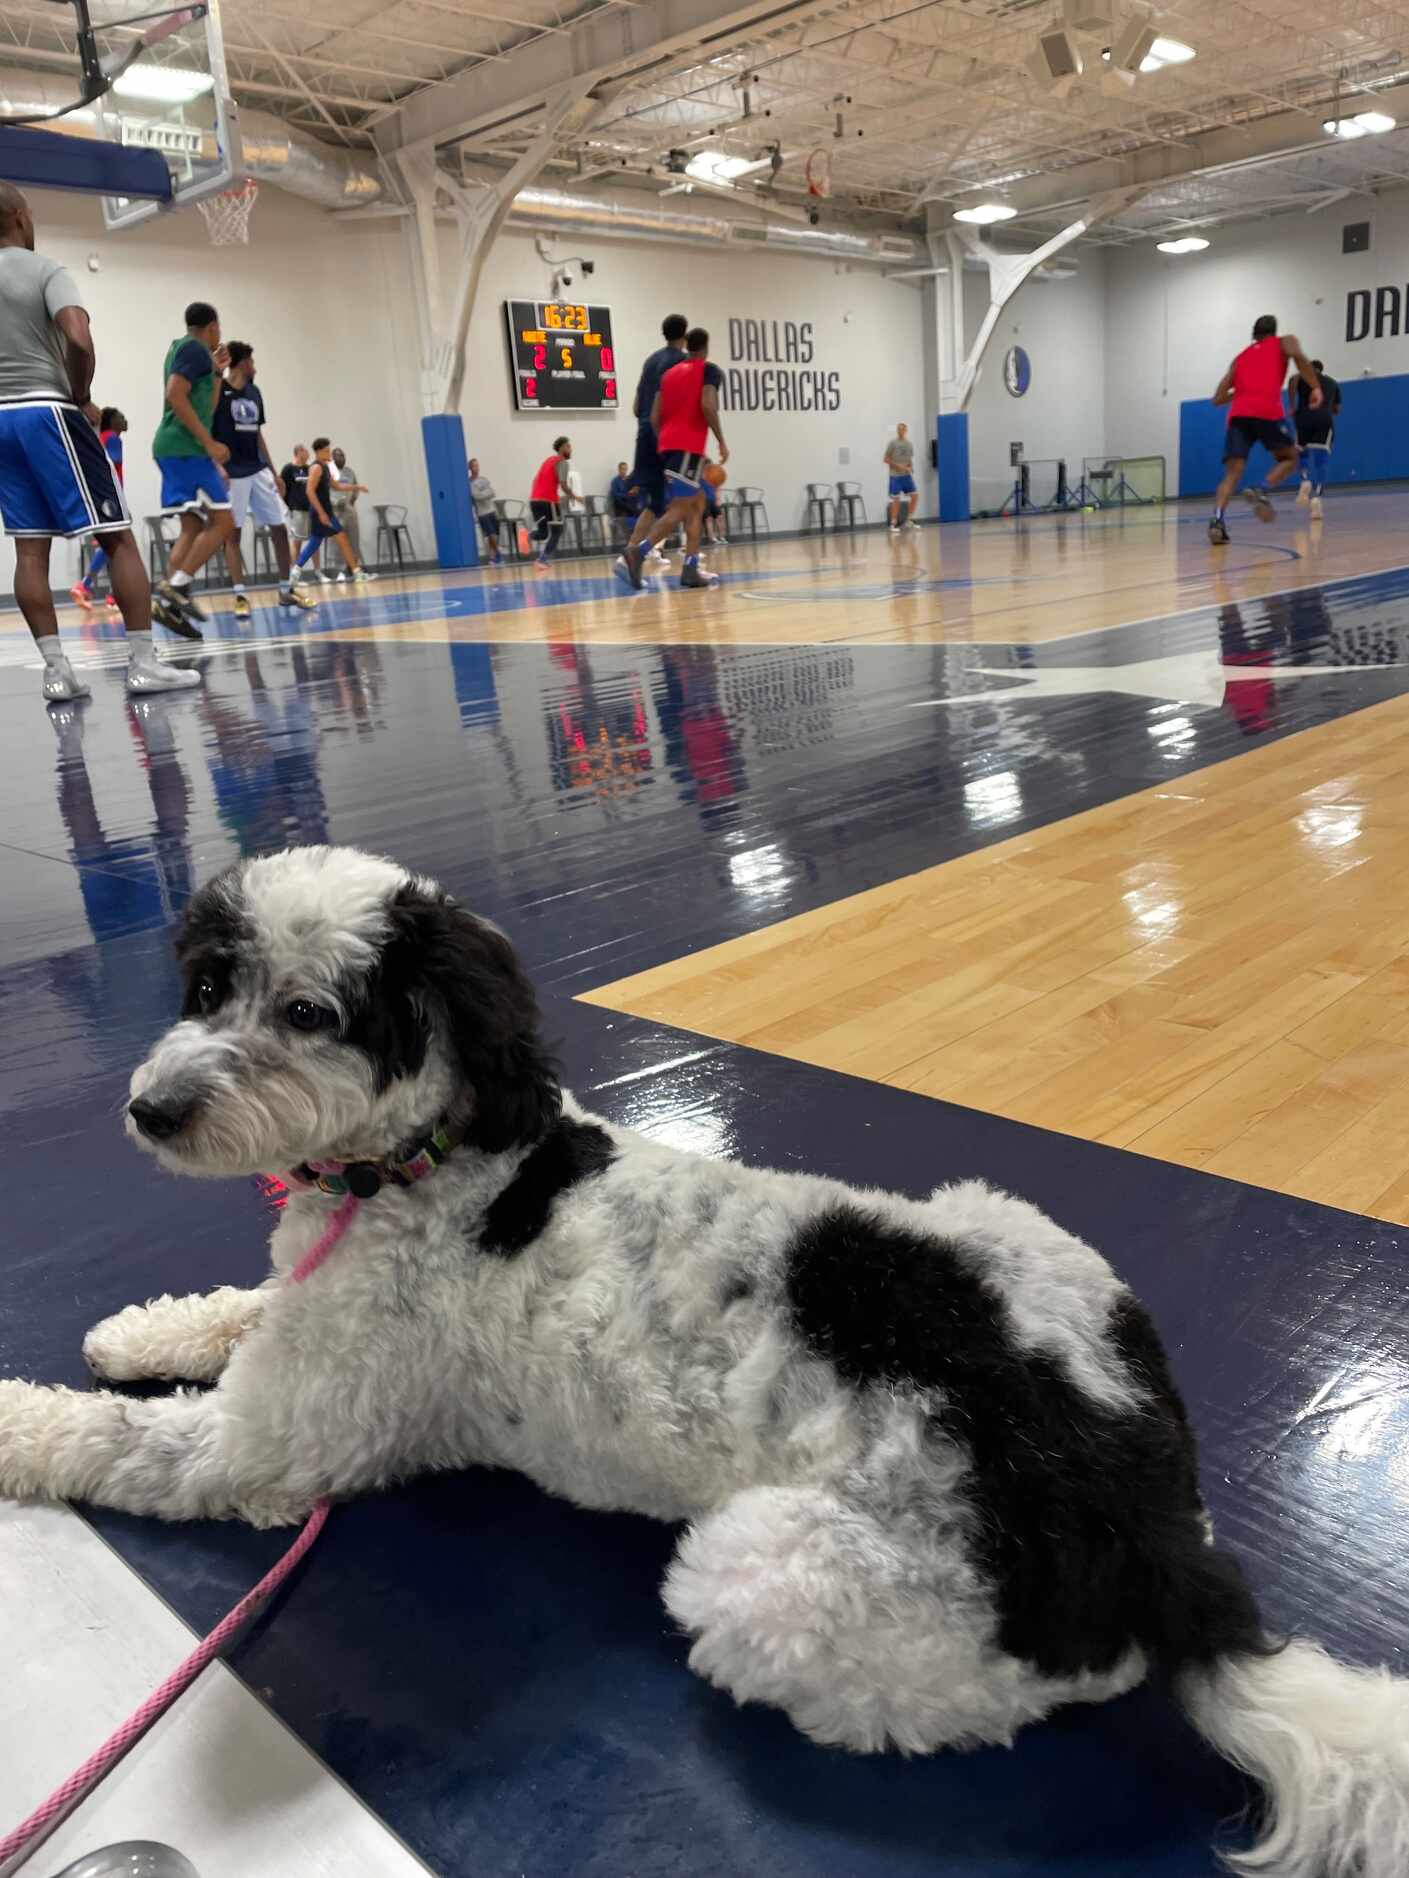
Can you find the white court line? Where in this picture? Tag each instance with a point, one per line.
(84, 1640)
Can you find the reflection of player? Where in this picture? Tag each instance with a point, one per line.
(1315, 433)
(111, 425)
(254, 489)
(686, 410)
(192, 464)
(1252, 390)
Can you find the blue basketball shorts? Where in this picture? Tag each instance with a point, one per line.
(190, 483)
(902, 485)
(55, 476)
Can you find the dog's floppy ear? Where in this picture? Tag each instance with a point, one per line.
(453, 961)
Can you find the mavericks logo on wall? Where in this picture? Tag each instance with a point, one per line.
(1017, 371)
(1375, 311)
(783, 377)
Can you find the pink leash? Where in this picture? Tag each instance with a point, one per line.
(26, 1838)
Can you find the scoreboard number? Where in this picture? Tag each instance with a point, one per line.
(561, 357)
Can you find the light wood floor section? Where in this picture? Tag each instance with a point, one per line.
(989, 583)
(994, 583)
(1214, 972)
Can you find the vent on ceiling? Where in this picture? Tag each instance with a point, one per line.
(1355, 238)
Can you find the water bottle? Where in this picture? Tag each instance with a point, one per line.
(134, 1858)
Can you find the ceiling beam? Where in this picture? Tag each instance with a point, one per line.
(1239, 146)
(611, 46)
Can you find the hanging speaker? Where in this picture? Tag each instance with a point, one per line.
(1131, 47)
(1090, 16)
(1055, 61)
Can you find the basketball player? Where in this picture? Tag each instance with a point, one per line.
(548, 496)
(194, 484)
(685, 411)
(1252, 389)
(647, 472)
(111, 425)
(55, 476)
(1315, 433)
(254, 489)
(900, 463)
(325, 525)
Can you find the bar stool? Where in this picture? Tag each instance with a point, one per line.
(850, 498)
(394, 541)
(820, 498)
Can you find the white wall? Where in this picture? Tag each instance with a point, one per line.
(864, 328)
(1061, 325)
(1176, 321)
(321, 301)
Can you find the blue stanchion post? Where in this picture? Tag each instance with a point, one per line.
(456, 543)
(953, 452)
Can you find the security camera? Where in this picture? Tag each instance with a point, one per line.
(589, 267)
(814, 215)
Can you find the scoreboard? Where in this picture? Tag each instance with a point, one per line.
(561, 356)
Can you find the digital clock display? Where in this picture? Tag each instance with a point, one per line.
(562, 357)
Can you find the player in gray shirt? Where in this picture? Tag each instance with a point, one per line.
(900, 461)
(486, 512)
(55, 476)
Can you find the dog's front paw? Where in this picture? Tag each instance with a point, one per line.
(119, 1349)
(30, 1419)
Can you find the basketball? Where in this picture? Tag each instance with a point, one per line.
(715, 475)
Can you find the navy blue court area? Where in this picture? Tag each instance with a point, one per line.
(490, 1670)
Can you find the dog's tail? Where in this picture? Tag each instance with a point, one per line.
(1328, 1744)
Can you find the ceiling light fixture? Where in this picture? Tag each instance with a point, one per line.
(1186, 244)
(1364, 123)
(986, 212)
(714, 166)
(162, 84)
(1166, 52)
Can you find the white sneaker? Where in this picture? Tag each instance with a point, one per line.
(326, 579)
(338, 579)
(361, 577)
(1316, 510)
(1303, 495)
(912, 523)
(61, 683)
(895, 528)
(145, 673)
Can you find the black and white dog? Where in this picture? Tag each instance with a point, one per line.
(934, 1475)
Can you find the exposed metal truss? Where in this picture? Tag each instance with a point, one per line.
(914, 101)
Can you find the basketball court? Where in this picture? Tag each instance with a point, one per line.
(1044, 843)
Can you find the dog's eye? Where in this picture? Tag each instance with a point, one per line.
(304, 1014)
(207, 996)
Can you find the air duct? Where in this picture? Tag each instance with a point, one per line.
(348, 179)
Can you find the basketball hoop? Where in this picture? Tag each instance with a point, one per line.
(227, 215)
(818, 172)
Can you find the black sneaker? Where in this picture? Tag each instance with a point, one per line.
(694, 576)
(1218, 532)
(183, 598)
(167, 608)
(627, 568)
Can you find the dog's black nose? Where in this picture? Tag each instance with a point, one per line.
(160, 1120)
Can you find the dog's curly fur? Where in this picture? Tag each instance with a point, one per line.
(934, 1475)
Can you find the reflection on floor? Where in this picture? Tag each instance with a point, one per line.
(960, 828)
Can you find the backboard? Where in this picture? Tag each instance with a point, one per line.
(175, 99)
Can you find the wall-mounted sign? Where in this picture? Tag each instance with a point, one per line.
(773, 367)
(1017, 371)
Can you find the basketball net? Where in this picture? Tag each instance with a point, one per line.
(818, 172)
(227, 215)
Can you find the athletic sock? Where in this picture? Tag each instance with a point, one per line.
(52, 650)
(692, 560)
(239, 587)
(180, 579)
(1218, 515)
(139, 644)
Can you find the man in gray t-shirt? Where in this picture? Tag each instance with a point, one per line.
(55, 475)
(486, 509)
(900, 461)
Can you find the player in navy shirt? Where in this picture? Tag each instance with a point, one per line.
(238, 423)
(111, 425)
(648, 472)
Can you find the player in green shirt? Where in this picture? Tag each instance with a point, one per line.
(192, 464)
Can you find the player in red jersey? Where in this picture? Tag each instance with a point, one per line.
(1252, 389)
(685, 411)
